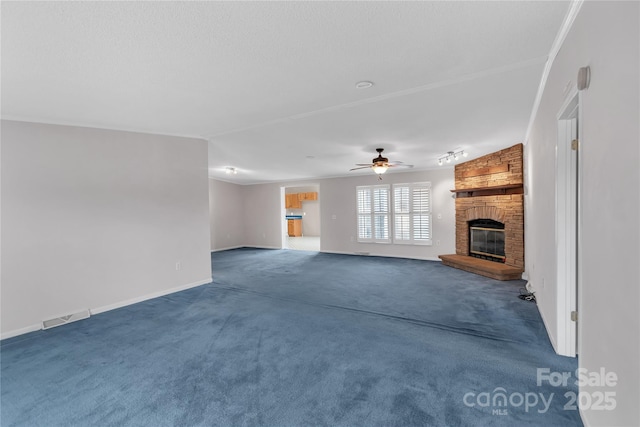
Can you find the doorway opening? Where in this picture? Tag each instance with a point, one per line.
(301, 217)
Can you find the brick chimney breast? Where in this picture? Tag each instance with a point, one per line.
(488, 176)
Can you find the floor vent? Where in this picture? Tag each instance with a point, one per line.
(63, 320)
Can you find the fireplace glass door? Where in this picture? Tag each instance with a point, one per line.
(487, 242)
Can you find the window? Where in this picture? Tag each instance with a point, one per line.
(373, 214)
(412, 213)
(411, 216)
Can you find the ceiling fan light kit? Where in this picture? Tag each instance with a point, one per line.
(452, 155)
(379, 169)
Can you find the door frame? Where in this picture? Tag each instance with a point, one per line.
(283, 223)
(568, 225)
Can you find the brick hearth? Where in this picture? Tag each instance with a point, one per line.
(490, 187)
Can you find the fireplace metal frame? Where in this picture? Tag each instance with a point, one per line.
(502, 258)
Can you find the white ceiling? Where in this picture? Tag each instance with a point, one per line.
(271, 83)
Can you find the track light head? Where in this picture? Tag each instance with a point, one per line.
(455, 155)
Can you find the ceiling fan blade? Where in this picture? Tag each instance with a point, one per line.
(400, 166)
(380, 162)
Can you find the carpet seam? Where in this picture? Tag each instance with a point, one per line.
(366, 312)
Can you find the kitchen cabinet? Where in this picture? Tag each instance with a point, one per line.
(294, 227)
(294, 200)
(291, 201)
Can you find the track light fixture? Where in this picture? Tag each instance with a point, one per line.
(230, 171)
(452, 155)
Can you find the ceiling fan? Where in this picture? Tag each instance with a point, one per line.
(381, 164)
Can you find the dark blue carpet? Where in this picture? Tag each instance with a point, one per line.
(284, 338)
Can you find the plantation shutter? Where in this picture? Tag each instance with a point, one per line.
(421, 214)
(381, 213)
(402, 212)
(373, 213)
(412, 213)
(364, 213)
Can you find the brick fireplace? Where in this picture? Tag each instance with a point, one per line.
(490, 188)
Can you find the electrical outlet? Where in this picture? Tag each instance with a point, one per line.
(437, 242)
(178, 265)
(333, 216)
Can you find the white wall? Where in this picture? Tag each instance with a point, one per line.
(338, 197)
(226, 207)
(310, 210)
(95, 219)
(605, 36)
(263, 216)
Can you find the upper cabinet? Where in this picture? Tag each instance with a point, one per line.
(294, 201)
(291, 201)
(308, 196)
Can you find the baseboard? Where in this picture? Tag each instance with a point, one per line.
(136, 300)
(227, 249)
(261, 247)
(546, 328)
(583, 417)
(21, 331)
(382, 255)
